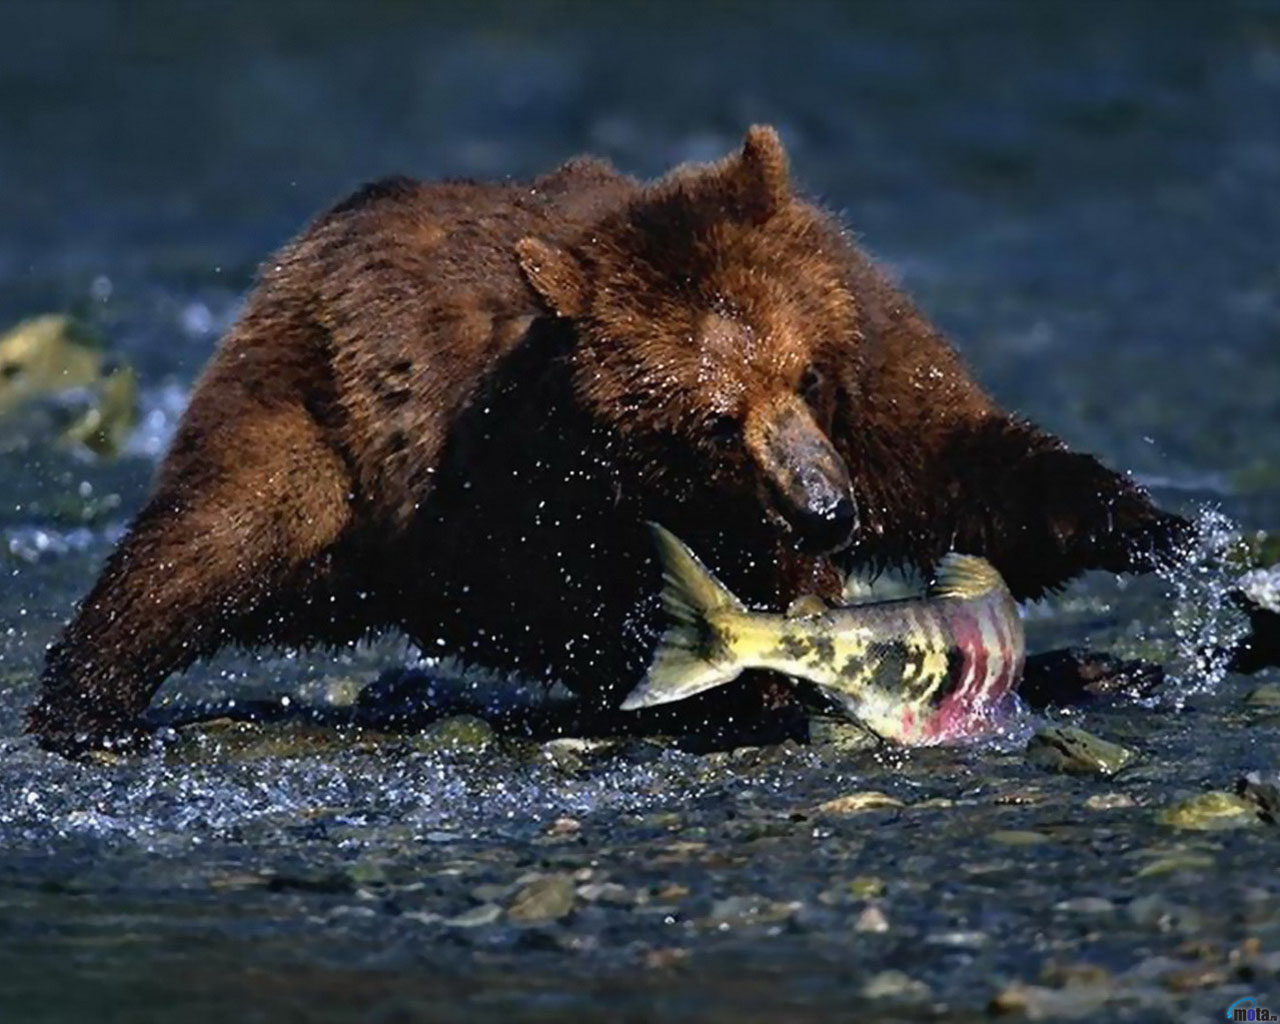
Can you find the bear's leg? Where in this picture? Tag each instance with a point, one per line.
(228, 528)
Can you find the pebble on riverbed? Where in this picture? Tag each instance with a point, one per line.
(1066, 748)
(456, 735)
(1211, 811)
(857, 803)
(544, 899)
(56, 379)
(896, 985)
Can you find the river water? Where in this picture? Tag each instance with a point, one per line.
(1084, 195)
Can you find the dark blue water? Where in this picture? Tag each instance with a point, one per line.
(1083, 194)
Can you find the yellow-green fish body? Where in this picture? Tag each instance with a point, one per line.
(918, 671)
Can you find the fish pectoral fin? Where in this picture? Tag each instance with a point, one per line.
(806, 606)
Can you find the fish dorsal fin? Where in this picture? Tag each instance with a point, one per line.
(965, 576)
(806, 606)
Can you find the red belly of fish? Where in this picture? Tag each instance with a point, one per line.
(989, 668)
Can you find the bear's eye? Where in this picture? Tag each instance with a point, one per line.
(722, 429)
(811, 386)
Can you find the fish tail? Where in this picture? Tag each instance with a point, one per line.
(694, 654)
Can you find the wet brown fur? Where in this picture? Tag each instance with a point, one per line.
(449, 409)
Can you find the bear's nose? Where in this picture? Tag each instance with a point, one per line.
(829, 528)
(808, 479)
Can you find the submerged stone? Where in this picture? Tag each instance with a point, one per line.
(459, 734)
(230, 740)
(477, 917)
(1211, 811)
(56, 380)
(1262, 789)
(871, 920)
(841, 736)
(895, 985)
(1265, 696)
(856, 803)
(1258, 594)
(544, 899)
(1065, 748)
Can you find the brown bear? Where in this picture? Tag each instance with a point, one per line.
(451, 408)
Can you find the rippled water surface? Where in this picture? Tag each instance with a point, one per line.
(1085, 195)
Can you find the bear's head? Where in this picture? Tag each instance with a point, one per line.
(715, 337)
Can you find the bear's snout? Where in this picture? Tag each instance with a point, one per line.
(805, 475)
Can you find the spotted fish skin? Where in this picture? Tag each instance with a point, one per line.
(918, 671)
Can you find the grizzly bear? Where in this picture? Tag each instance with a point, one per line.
(451, 409)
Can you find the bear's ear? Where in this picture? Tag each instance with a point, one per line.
(555, 275)
(761, 172)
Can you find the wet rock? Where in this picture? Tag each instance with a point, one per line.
(607, 893)
(841, 737)
(897, 986)
(1061, 975)
(1194, 977)
(57, 381)
(745, 910)
(1159, 912)
(564, 827)
(958, 939)
(548, 898)
(672, 892)
(666, 959)
(399, 697)
(1036, 1002)
(1076, 675)
(1262, 789)
(866, 886)
(476, 917)
(423, 917)
(1018, 837)
(1258, 594)
(857, 803)
(230, 740)
(491, 892)
(872, 920)
(461, 734)
(1211, 811)
(1065, 748)
(859, 889)
(1086, 905)
(1109, 801)
(1265, 696)
(349, 911)
(572, 755)
(342, 691)
(1176, 862)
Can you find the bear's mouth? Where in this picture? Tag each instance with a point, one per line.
(814, 533)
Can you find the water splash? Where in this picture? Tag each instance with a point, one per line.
(1207, 626)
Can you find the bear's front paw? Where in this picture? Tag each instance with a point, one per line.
(1099, 519)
